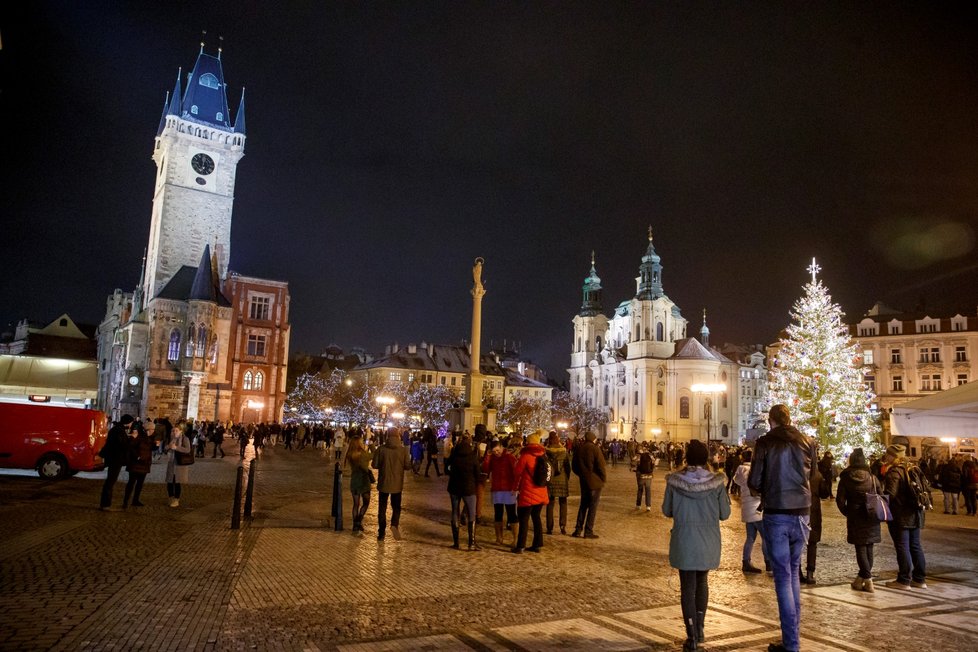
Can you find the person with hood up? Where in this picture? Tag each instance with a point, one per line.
(463, 469)
(750, 514)
(696, 499)
(862, 528)
(781, 473)
(391, 461)
(531, 497)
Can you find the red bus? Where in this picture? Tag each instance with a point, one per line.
(54, 440)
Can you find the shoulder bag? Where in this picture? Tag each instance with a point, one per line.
(878, 505)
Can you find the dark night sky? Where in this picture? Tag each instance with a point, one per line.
(389, 144)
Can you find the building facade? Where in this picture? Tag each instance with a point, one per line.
(193, 339)
(638, 366)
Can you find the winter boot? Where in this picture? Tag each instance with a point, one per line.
(700, 625)
(857, 584)
(690, 643)
(809, 578)
(472, 544)
(455, 536)
(512, 531)
(750, 568)
(499, 534)
(868, 585)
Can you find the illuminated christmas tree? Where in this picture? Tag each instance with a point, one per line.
(818, 374)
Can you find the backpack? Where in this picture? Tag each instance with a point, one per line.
(973, 475)
(543, 471)
(646, 465)
(919, 487)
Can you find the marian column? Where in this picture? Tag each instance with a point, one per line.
(475, 375)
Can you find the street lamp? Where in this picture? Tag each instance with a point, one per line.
(711, 389)
(385, 402)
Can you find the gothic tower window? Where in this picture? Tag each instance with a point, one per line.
(173, 352)
(212, 354)
(259, 380)
(248, 380)
(201, 341)
(658, 332)
(191, 340)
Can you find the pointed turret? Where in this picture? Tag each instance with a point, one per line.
(203, 287)
(704, 332)
(175, 96)
(166, 104)
(592, 293)
(137, 295)
(650, 274)
(239, 117)
(206, 99)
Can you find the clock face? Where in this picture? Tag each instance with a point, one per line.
(202, 164)
(134, 380)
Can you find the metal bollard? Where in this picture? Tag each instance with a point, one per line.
(236, 510)
(251, 488)
(337, 508)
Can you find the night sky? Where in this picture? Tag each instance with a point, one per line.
(389, 144)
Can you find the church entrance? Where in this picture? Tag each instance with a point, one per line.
(250, 415)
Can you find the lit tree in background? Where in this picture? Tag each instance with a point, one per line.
(581, 417)
(818, 374)
(524, 414)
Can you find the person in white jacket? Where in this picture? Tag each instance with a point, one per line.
(750, 515)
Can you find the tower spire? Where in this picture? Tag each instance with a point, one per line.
(705, 331)
(591, 305)
(138, 293)
(650, 274)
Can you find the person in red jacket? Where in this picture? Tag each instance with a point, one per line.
(531, 497)
(500, 465)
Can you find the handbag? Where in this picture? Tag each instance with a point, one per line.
(878, 506)
(370, 474)
(185, 459)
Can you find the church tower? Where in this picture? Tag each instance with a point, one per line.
(196, 153)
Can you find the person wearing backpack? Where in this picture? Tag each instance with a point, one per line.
(643, 476)
(908, 518)
(950, 477)
(531, 496)
(969, 484)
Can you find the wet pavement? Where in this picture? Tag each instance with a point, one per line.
(161, 578)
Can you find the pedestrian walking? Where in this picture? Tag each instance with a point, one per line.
(862, 527)
(361, 478)
(431, 446)
(531, 497)
(750, 514)
(644, 468)
(781, 472)
(463, 470)
(391, 461)
(114, 453)
(696, 499)
(559, 485)
(178, 466)
(588, 463)
(139, 463)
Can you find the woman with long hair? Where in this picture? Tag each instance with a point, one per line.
(358, 460)
(178, 470)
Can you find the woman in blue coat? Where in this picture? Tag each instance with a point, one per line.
(696, 499)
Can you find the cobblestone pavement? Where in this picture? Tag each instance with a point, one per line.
(159, 578)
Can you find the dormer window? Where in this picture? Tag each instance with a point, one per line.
(896, 327)
(220, 116)
(209, 80)
(193, 109)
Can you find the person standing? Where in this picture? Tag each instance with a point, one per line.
(781, 473)
(500, 465)
(950, 477)
(391, 461)
(558, 487)
(177, 473)
(908, 520)
(531, 497)
(751, 515)
(431, 447)
(463, 470)
(969, 484)
(219, 440)
(114, 453)
(358, 460)
(862, 528)
(644, 468)
(589, 465)
(140, 462)
(696, 499)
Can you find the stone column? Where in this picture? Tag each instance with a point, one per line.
(475, 377)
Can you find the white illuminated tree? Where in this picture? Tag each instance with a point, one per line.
(818, 374)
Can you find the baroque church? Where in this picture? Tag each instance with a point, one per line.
(195, 339)
(652, 381)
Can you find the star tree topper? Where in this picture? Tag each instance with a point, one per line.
(814, 268)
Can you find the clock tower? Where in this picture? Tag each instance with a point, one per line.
(197, 150)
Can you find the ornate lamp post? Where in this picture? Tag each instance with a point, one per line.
(385, 402)
(711, 389)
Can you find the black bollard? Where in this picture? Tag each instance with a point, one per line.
(337, 509)
(251, 488)
(236, 510)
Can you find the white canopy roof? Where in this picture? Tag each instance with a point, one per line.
(951, 413)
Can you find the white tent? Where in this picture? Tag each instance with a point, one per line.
(951, 413)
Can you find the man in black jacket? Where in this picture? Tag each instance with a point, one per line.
(908, 519)
(114, 453)
(781, 473)
(588, 463)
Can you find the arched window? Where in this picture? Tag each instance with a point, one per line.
(658, 397)
(606, 395)
(579, 344)
(246, 383)
(201, 341)
(259, 380)
(724, 431)
(658, 332)
(723, 398)
(638, 332)
(212, 354)
(209, 80)
(191, 340)
(173, 353)
(684, 407)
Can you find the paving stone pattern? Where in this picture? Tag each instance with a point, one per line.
(158, 578)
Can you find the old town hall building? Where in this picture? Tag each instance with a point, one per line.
(195, 339)
(652, 381)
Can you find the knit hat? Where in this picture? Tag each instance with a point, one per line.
(697, 453)
(896, 450)
(537, 436)
(857, 457)
(126, 419)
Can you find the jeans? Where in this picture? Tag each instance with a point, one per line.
(909, 552)
(694, 593)
(111, 475)
(587, 509)
(525, 513)
(135, 482)
(864, 559)
(787, 535)
(173, 490)
(561, 502)
(753, 530)
(644, 487)
(950, 502)
(395, 500)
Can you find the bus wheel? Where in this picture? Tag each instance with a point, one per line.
(53, 467)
